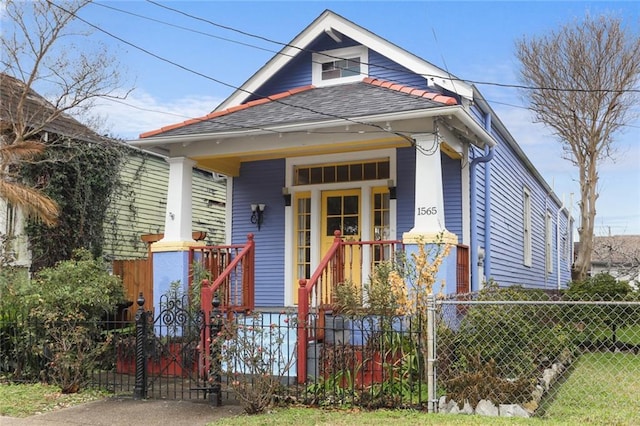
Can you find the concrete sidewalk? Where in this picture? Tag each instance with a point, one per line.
(126, 411)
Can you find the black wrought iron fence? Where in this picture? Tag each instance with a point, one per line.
(510, 352)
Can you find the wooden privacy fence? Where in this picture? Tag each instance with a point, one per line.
(136, 278)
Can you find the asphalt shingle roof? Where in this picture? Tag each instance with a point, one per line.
(38, 110)
(311, 104)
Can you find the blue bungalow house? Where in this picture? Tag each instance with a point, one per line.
(344, 131)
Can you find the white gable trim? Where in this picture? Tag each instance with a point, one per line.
(328, 19)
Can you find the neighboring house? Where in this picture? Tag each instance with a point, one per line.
(617, 255)
(137, 207)
(343, 130)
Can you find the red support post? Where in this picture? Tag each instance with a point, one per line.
(303, 313)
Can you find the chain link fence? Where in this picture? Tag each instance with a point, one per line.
(508, 352)
(523, 353)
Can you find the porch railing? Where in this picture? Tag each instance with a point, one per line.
(232, 274)
(343, 261)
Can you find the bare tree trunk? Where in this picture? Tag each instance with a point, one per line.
(588, 197)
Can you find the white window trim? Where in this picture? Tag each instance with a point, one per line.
(526, 224)
(316, 195)
(548, 243)
(330, 55)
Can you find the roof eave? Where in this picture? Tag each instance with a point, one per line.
(333, 21)
(482, 137)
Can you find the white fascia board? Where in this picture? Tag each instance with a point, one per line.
(363, 36)
(403, 57)
(279, 60)
(458, 112)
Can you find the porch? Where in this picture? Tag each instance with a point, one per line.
(228, 272)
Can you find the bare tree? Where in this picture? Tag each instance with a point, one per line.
(38, 49)
(582, 82)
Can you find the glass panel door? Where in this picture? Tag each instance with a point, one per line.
(341, 211)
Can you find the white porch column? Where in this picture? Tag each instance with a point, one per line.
(178, 216)
(171, 254)
(428, 226)
(429, 198)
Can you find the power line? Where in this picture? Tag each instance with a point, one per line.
(137, 15)
(285, 44)
(161, 58)
(450, 78)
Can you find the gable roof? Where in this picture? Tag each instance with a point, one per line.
(616, 250)
(331, 22)
(37, 110)
(309, 104)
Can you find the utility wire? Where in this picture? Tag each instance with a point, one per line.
(161, 58)
(226, 27)
(450, 78)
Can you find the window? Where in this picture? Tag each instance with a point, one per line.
(341, 172)
(303, 235)
(380, 214)
(526, 225)
(548, 246)
(340, 66)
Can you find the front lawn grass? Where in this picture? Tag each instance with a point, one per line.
(23, 400)
(603, 388)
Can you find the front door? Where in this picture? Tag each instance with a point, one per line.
(341, 210)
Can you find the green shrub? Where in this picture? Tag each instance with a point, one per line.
(602, 286)
(510, 342)
(69, 301)
(597, 324)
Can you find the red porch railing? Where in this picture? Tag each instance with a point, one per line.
(343, 260)
(231, 269)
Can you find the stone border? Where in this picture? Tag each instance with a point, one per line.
(487, 408)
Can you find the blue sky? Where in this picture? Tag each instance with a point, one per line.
(473, 40)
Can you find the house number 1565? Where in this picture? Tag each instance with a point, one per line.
(427, 211)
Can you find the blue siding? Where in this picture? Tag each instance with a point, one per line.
(383, 68)
(262, 182)
(509, 177)
(297, 73)
(452, 187)
(405, 189)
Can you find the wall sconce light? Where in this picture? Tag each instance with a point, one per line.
(257, 214)
(392, 189)
(287, 196)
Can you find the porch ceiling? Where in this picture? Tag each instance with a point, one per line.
(229, 164)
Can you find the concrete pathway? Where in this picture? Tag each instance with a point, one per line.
(125, 411)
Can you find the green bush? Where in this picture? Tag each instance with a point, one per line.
(517, 341)
(602, 286)
(597, 324)
(69, 301)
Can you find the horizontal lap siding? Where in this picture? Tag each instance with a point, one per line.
(383, 68)
(405, 189)
(209, 198)
(452, 188)
(297, 73)
(139, 206)
(509, 177)
(262, 182)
